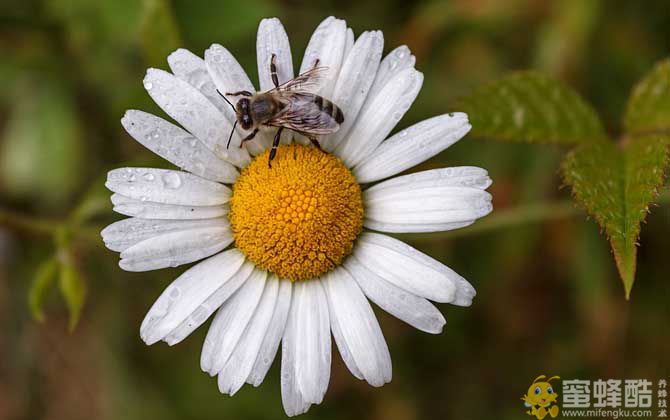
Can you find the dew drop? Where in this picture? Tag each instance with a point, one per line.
(148, 85)
(171, 180)
(148, 176)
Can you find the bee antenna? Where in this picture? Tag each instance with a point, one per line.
(231, 133)
(226, 99)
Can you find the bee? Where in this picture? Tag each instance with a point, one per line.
(286, 106)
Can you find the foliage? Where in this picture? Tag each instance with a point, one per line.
(616, 183)
(531, 107)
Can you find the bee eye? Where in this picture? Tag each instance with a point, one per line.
(537, 390)
(550, 390)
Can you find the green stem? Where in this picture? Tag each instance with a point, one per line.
(526, 214)
(28, 224)
(45, 226)
(516, 216)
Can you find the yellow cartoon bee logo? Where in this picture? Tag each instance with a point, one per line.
(541, 398)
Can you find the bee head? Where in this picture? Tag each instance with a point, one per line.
(243, 114)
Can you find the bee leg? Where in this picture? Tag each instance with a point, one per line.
(249, 137)
(315, 142)
(275, 143)
(239, 93)
(273, 70)
(316, 63)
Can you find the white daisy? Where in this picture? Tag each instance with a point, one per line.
(304, 258)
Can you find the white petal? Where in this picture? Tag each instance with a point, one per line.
(349, 43)
(125, 233)
(414, 310)
(396, 227)
(396, 61)
(229, 77)
(240, 363)
(291, 397)
(177, 146)
(457, 176)
(227, 73)
(185, 296)
(345, 353)
(230, 322)
(166, 186)
(327, 44)
(379, 115)
(176, 248)
(272, 39)
(412, 146)
(426, 202)
(411, 270)
(149, 210)
(275, 331)
(359, 335)
(354, 81)
(211, 304)
(192, 69)
(312, 329)
(195, 112)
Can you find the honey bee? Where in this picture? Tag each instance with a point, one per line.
(287, 106)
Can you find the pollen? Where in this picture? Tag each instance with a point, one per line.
(298, 219)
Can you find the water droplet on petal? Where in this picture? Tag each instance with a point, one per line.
(148, 85)
(171, 180)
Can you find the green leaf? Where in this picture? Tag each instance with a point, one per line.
(531, 107)
(649, 105)
(72, 287)
(44, 278)
(616, 185)
(159, 33)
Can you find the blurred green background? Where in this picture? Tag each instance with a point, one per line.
(549, 298)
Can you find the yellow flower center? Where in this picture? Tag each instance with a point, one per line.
(298, 219)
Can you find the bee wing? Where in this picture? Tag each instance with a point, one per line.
(304, 81)
(302, 114)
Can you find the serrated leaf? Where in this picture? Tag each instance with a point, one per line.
(616, 185)
(531, 107)
(44, 278)
(649, 105)
(72, 288)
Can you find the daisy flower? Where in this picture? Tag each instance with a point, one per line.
(305, 256)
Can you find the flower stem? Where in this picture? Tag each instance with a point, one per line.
(28, 224)
(530, 213)
(46, 226)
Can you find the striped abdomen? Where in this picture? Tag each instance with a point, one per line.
(329, 108)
